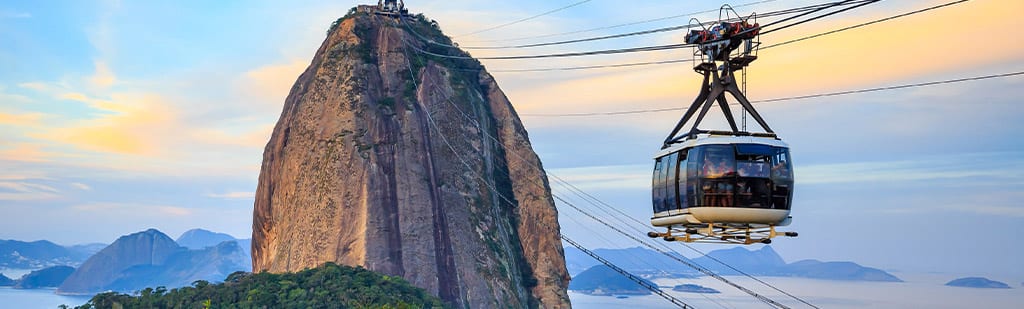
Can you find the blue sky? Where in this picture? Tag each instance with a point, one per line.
(121, 116)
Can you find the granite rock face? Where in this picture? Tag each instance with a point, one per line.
(408, 165)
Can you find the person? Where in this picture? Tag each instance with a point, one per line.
(780, 170)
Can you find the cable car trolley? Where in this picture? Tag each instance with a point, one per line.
(730, 186)
(393, 8)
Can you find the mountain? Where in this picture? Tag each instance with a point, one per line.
(184, 267)
(200, 238)
(49, 277)
(977, 282)
(35, 255)
(409, 165)
(762, 262)
(835, 271)
(758, 261)
(638, 260)
(150, 258)
(603, 281)
(84, 251)
(327, 286)
(149, 247)
(4, 281)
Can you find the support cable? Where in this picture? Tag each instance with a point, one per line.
(524, 19)
(433, 124)
(820, 95)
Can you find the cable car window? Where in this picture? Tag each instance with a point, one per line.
(753, 165)
(781, 167)
(782, 179)
(754, 149)
(719, 161)
(670, 182)
(656, 184)
(693, 169)
(681, 188)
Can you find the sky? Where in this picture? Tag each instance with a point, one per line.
(118, 116)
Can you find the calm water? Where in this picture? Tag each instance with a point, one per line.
(36, 298)
(919, 291)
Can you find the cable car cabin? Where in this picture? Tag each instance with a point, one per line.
(723, 188)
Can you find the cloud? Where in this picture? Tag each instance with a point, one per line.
(137, 124)
(132, 209)
(22, 119)
(81, 186)
(959, 166)
(273, 82)
(103, 77)
(603, 177)
(233, 195)
(26, 190)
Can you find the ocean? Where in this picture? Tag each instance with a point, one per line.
(918, 291)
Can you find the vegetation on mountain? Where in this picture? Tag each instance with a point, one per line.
(327, 286)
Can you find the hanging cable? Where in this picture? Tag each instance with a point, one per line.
(653, 288)
(524, 19)
(830, 94)
(628, 235)
(820, 16)
(867, 23)
(619, 25)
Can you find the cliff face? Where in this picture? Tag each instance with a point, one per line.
(411, 166)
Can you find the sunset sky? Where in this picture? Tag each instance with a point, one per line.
(121, 116)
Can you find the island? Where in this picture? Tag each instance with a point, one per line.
(978, 283)
(694, 288)
(601, 280)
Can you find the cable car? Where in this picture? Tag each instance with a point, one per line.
(722, 186)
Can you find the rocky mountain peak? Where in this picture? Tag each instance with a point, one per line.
(409, 165)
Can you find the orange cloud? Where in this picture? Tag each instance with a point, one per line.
(25, 152)
(21, 120)
(927, 43)
(103, 77)
(138, 125)
(273, 82)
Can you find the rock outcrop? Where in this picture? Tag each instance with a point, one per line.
(408, 165)
(148, 247)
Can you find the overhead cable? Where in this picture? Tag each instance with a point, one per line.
(830, 94)
(524, 19)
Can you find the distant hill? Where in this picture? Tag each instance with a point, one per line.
(978, 282)
(150, 258)
(200, 238)
(85, 251)
(836, 271)
(694, 288)
(35, 255)
(604, 281)
(762, 262)
(636, 259)
(327, 286)
(150, 247)
(49, 277)
(4, 281)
